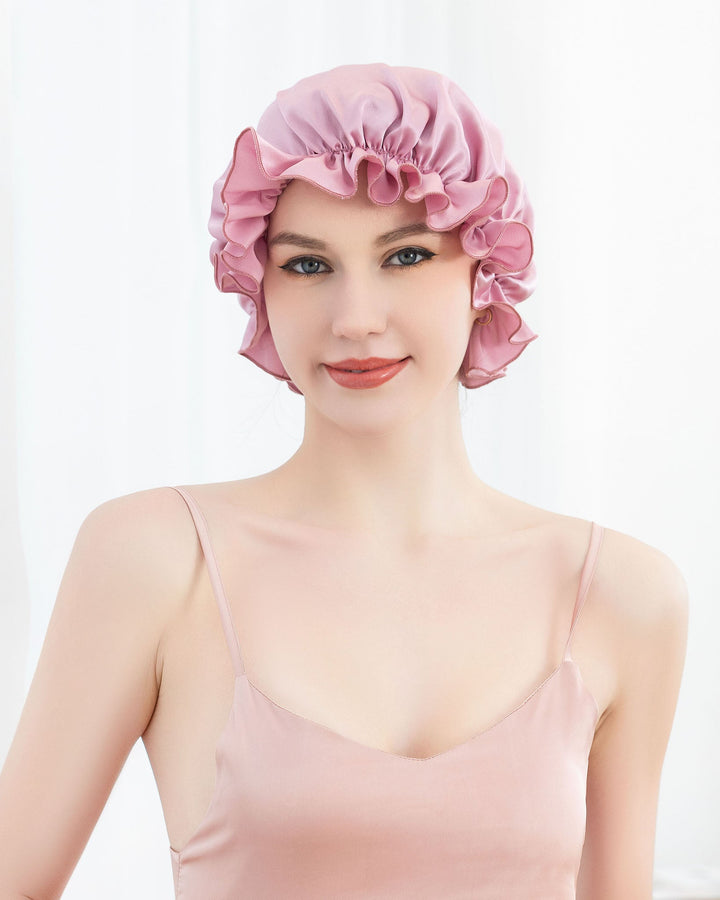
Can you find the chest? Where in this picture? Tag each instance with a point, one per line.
(408, 654)
(422, 647)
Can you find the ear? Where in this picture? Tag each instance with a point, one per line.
(484, 316)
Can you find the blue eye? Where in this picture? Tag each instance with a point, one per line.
(415, 251)
(301, 261)
(312, 263)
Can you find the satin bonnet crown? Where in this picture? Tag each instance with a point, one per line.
(401, 120)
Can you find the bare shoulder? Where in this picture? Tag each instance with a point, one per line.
(637, 585)
(147, 545)
(644, 589)
(640, 598)
(144, 513)
(634, 629)
(643, 598)
(141, 516)
(148, 535)
(131, 565)
(128, 576)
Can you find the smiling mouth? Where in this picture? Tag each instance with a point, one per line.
(362, 374)
(357, 366)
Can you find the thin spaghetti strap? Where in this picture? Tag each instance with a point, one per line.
(586, 577)
(203, 532)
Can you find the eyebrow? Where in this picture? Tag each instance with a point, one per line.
(310, 243)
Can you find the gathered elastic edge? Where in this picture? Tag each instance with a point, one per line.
(403, 163)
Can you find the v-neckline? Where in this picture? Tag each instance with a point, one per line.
(367, 748)
(381, 754)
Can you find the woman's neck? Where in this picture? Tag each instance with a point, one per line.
(412, 480)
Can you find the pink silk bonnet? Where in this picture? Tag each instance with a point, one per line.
(401, 120)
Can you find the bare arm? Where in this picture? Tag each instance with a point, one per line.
(93, 692)
(649, 601)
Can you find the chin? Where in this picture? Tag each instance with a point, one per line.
(368, 417)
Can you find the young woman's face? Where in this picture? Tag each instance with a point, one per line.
(341, 287)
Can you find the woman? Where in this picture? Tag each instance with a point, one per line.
(387, 654)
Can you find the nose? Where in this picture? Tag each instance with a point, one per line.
(358, 308)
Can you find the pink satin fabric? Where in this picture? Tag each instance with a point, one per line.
(300, 811)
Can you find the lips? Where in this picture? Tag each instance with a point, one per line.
(360, 374)
(364, 365)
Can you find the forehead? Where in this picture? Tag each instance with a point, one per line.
(303, 204)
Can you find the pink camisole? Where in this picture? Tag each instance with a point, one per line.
(300, 811)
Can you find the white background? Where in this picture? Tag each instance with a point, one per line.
(119, 358)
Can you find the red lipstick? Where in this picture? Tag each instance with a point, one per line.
(365, 373)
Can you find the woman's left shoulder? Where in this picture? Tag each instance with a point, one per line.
(641, 583)
(638, 582)
(639, 598)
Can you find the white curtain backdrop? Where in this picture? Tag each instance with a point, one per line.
(119, 358)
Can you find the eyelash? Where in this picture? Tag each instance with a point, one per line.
(426, 254)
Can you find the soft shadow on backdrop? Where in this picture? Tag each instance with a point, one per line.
(118, 356)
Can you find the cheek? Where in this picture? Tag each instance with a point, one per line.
(293, 326)
(440, 328)
(453, 311)
(279, 312)
(459, 323)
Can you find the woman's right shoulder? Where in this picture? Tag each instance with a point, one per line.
(144, 515)
(136, 561)
(150, 534)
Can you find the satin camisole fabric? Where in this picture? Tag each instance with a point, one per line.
(300, 811)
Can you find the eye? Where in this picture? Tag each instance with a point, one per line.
(406, 256)
(301, 261)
